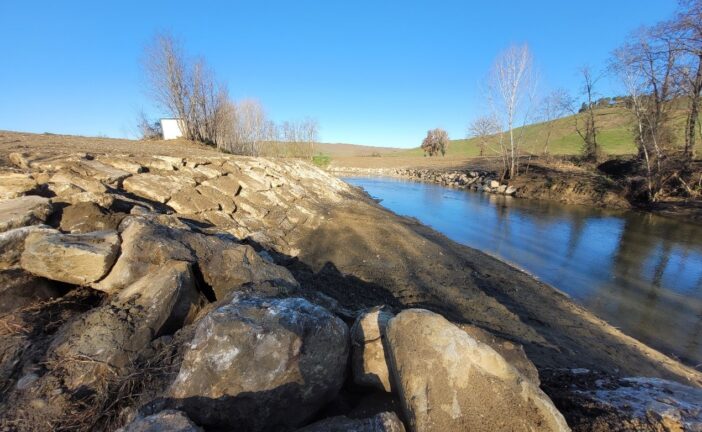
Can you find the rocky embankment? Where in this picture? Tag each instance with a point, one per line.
(154, 293)
(541, 184)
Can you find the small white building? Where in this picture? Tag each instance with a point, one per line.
(171, 128)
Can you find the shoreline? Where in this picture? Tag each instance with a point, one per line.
(565, 188)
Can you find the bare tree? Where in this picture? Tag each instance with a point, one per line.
(588, 131)
(511, 91)
(482, 128)
(436, 141)
(299, 137)
(686, 29)
(647, 66)
(148, 129)
(185, 89)
(554, 106)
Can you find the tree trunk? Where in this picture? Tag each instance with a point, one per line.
(694, 113)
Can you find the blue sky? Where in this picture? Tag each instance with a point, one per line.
(371, 72)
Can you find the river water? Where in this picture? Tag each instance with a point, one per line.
(639, 272)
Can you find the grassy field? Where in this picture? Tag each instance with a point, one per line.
(615, 137)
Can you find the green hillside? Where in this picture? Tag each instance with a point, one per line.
(615, 136)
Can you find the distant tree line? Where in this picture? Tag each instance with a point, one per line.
(188, 90)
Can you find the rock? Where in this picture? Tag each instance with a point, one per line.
(88, 217)
(13, 185)
(447, 380)
(224, 200)
(99, 171)
(23, 211)
(86, 184)
(122, 163)
(261, 364)
(73, 258)
(494, 184)
(644, 404)
(502, 189)
(512, 352)
(165, 421)
(12, 244)
(225, 265)
(18, 289)
(368, 359)
(189, 200)
(109, 337)
(156, 187)
(511, 190)
(227, 185)
(383, 422)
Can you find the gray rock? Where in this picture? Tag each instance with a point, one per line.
(368, 358)
(494, 184)
(226, 265)
(261, 364)
(13, 184)
(23, 211)
(383, 422)
(12, 244)
(73, 258)
(87, 217)
(164, 421)
(649, 403)
(108, 338)
(447, 380)
(511, 190)
(512, 352)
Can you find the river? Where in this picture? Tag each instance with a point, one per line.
(640, 272)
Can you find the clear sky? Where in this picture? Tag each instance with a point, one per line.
(371, 72)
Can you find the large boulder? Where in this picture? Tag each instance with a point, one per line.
(382, 422)
(12, 244)
(156, 187)
(23, 211)
(448, 380)
(225, 265)
(164, 421)
(13, 184)
(512, 352)
(227, 185)
(189, 200)
(261, 364)
(368, 360)
(596, 401)
(109, 337)
(73, 258)
(86, 217)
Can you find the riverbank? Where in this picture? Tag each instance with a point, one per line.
(563, 182)
(79, 347)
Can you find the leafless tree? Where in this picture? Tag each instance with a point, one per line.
(512, 85)
(554, 106)
(185, 89)
(647, 66)
(436, 141)
(299, 138)
(148, 129)
(482, 129)
(588, 131)
(686, 29)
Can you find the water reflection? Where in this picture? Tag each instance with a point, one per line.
(640, 272)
